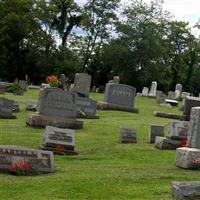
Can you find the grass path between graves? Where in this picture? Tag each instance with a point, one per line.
(103, 169)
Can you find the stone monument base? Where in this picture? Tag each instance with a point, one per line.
(43, 120)
(166, 143)
(186, 190)
(168, 115)
(185, 157)
(115, 107)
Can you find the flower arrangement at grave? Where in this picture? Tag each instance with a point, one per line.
(59, 149)
(20, 168)
(52, 81)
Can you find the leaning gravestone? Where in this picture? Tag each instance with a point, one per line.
(61, 141)
(188, 104)
(145, 91)
(127, 135)
(153, 89)
(6, 108)
(86, 108)
(155, 130)
(82, 84)
(56, 108)
(39, 161)
(118, 97)
(186, 156)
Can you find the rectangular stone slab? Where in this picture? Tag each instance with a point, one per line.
(185, 157)
(127, 135)
(165, 143)
(155, 130)
(186, 190)
(38, 160)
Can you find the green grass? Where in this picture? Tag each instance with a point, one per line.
(103, 169)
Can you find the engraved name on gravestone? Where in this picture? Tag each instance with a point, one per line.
(86, 106)
(120, 94)
(57, 103)
(153, 89)
(82, 84)
(193, 140)
(178, 129)
(39, 161)
(59, 136)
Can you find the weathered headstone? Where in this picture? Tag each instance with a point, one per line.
(189, 103)
(56, 108)
(115, 79)
(127, 135)
(120, 94)
(59, 140)
(32, 105)
(178, 129)
(166, 143)
(171, 95)
(39, 161)
(145, 91)
(86, 108)
(186, 190)
(155, 130)
(178, 90)
(153, 89)
(6, 108)
(82, 84)
(62, 81)
(22, 84)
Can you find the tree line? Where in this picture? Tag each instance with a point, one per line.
(139, 42)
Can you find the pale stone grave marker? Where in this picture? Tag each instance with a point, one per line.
(145, 91)
(153, 89)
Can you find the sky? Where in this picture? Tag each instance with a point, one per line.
(182, 10)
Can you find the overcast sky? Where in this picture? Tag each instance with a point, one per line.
(187, 10)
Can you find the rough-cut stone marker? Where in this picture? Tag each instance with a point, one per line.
(186, 190)
(166, 143)
(167, 115)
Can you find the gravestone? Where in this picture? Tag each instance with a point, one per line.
(127, 135)
(188, 104)
(155, 130)
(120, 94)
(186, 190)
(153, 89)
(56, 108)
(39, 161)
(86, 108)
(171, 95)
(186, 156)
(178, 129)
(6, 108)
(145, 91)
(59, 140)
(178, 90)
(32, 105)
(62, 81)
(115, 79)
(166, 143)
(82, 84)
(22, 84)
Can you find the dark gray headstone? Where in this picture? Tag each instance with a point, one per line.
(189, 103)
(22, 84)
(155, 130)
(57, 103)
(86, 107)
(82, 84)
(62, 81)
(39, 161)
(127, 135)
(120, 94)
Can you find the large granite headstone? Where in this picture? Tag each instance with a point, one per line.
(82, 84)
(120, 94)
(127, 135)
(59, 140)
(86, 108)
(39, 161)
(189, 103)
(56, 108)
(153, 89)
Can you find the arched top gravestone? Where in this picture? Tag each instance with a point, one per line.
(120, 94)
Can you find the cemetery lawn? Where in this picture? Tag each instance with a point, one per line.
(103, 169)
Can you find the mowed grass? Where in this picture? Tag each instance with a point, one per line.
(103, 168)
